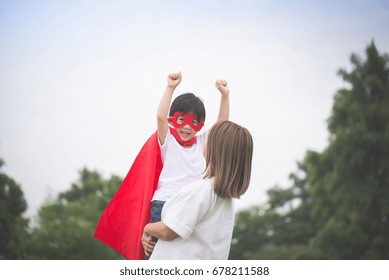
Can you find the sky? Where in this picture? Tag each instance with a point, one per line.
(80, 81)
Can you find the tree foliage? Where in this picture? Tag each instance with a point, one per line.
(67, 223)
(13, 226)
(338, 204)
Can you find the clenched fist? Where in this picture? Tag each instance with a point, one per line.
(222, 86)
(174, 79)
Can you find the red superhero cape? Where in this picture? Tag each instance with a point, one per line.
(122, 222)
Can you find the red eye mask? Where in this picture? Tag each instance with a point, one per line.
(188, 120)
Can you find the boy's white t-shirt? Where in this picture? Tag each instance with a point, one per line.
(181, 166)
(203, 221)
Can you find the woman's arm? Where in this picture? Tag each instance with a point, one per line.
(158, 230)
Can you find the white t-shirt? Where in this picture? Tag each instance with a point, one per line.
(203, 221)
(181, 166)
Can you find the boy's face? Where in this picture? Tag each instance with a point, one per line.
(180, 119)
(186, 132)
(186, 125)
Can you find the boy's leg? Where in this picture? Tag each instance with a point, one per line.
(156, 210)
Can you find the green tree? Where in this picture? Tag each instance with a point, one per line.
(354, 180)
(277, 230)
(67, 223)
(13, 226)
(338, 204)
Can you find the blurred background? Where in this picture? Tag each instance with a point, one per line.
(80, 82)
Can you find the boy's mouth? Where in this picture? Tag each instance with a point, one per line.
(185, 133)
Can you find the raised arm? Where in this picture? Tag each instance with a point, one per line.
(173, 81)
(224, 110)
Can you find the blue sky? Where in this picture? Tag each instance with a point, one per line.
(80, 81)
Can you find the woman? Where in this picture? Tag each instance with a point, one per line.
(198, 221)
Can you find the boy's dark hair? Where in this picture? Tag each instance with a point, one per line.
(188, 103)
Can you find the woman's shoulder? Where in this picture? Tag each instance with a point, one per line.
(200, 188)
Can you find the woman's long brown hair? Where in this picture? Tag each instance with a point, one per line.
(229, 156)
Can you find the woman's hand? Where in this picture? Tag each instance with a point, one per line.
(147, 243)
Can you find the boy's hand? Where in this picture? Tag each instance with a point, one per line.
(174, 79)
(221, 85)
